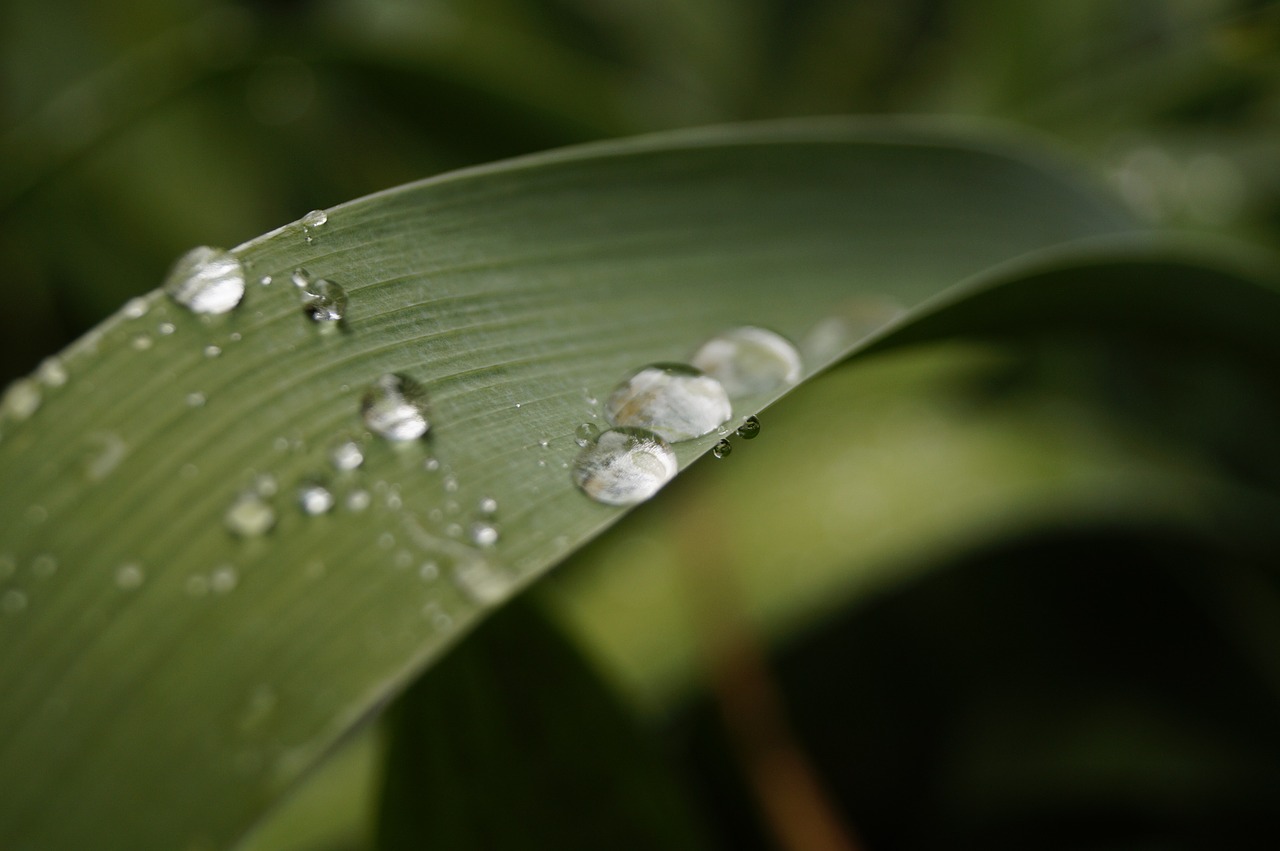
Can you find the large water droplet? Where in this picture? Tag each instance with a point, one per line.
(315, 219)
(722, 449)
(484, 534)
(322, 300)
(624, 466)
(395, 407)
(750, 428)
(675, 401)
(749, 360)
(250, 516)
(206, 280)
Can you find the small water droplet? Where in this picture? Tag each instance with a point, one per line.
(395, 407)
(481, 581)
(129, 576)
(387, 541)
(107, 451)
(675, 401)
(315, 499)
(43, 566)
(212, 351)
(544, 443)
(721, 449)
(624, 466)
(13, 601)
(586, 434)
(484, 534)
(487, 505)
(164, 329)
(206, 280)
(21, 400)
(265, 281)
(428, 571)
(451, 485)
(323, 301)
(135, 308)
(346, 456)
(235, 336)
(141, 343)
(196, 400)
(315, 219)
(250, 516)
(224, 579)
(51, 372)
(749, 360)
(358, 500)
(431, 464)
(750, 428)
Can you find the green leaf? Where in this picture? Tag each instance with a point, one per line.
(513, 742)
(165, 680)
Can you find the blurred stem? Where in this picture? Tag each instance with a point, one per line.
(785, 786)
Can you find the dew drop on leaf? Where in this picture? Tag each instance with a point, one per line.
(586, 434)
(250, 516)
(315, 499)
(750, 428)
(676, 401)
(624, 466)
(749, 360)
(346, 456)
(206, 280)
(722, 449)
(395, 407)
(323, 301)
(315, 219)
(129, 576)
(484, 534)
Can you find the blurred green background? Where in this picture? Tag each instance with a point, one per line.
(1122, 694)
(136, 129)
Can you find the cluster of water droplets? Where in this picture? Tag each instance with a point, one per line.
(666, 403)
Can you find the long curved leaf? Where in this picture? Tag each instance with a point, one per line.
(165, 680)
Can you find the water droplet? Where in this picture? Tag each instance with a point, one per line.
(196, 400)
(141, 342)
(675, 401)
(43, 566)
(235, 336)
(750, 428)
(13, 601)
(164, 329)
(107, 451)
(206, 280)
(323, 301)
(266, 485)
(431, 464)
(346, 456)
(481, 581)
(135, 308)
(212, 351)
(129, 576)
(250, 516)
(315, 219)
(387, 541)
(428, 571)
(586, 434)
(749, 360)
(488, 505)
(21, 400)
(403, 559)
(484, 534)
(721, 449)
(315, 499)
(52, 373)
(265, 281)
(395, 407)
(624, 466)
(358, 500)
(224, 579)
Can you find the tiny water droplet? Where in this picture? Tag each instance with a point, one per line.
(107, 451)
(395, 407)
(141, 342)
(586, 434)
(129, 576)
(235, 336)
(749, 360)
(451, 486)
(21, 400)
(323, 301)
(13, 601)
(250, 516)
(624, 466)
(750, 428)
(196, 400)
(135, 308)
(488, 505)
(52, 373)
(358, 500)
(387, 541)
(428, 571)
(315, 219)
(675, 401)
(315, 499)
(212, 351)
(482, 582)
(721, 449)
(431, 464)
(265, 281)
(206, 280)
(346, 456)
(224, 579)
(164, 329)
(484, 534)
(266, 485)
